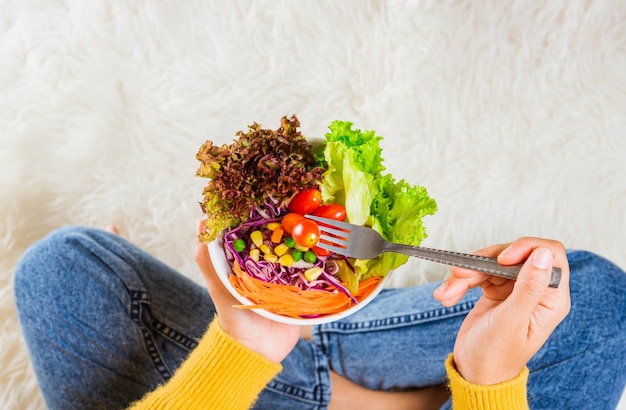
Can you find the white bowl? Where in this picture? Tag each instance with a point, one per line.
(223, 269)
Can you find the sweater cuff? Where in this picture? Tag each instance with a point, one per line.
(510, 394)
(219, 373)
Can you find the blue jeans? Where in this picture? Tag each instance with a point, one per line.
(105, 323)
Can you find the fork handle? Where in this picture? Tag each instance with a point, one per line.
(468, 261)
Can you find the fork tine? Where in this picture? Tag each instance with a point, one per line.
(335, 249)
(333, 239)
(334, 235)
(344, 226)
(331, 231)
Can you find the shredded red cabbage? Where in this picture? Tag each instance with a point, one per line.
(274, 272)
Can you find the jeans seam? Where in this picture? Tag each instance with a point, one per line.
(322, 369)
(173, 335)
(393, 322)
(316, 397)
(139, 301)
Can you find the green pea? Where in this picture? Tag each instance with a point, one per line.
(290, 242)
(239, 245)
(296, 255)
(309, 256)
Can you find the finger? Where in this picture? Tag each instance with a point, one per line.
(492, 251)
(447, 295)
(520, 250)
(532, 283)
(454, 288)
(219, 294)
(475, 278)
(464, 273)
(458, 284)
(203, 260)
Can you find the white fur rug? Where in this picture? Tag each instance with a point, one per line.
(511, 113)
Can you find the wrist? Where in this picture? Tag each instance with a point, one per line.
(510, 394)
(485, 373)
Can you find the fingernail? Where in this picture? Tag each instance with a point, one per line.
(542, 258)
(442, 288)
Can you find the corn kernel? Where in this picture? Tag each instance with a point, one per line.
(281, 249)
(273, 225)
(270, 257)
(265, 249)
(301, 248)
(313, 273)
(254, 254)
(257, 238)
(286, 260)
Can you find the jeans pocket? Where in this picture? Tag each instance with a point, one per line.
(166, 346)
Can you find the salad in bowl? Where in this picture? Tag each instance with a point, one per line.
(265, 251)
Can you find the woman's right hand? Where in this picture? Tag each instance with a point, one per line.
(512, 319)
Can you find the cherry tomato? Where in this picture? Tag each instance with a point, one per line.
(304, 202)
(306, 233)
(289, 221)
(319, 251)
(331, 211)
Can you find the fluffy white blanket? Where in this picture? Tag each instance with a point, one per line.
(511, 113)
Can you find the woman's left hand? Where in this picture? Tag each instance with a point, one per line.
(272, 339)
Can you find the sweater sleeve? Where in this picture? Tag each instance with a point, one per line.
(219, 373)
(509, 395)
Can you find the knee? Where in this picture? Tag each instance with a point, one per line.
(48, 266)
(597, 288)
(591, 270)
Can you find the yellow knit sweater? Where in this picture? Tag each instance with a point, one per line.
(510, 395)
(223, 374)
(220, 373)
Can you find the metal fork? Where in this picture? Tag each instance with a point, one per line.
(361, 242)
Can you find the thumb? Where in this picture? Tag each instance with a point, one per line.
(203, 260)
(218, 292)
(532, 282)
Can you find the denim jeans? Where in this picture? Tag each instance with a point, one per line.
(105, 323)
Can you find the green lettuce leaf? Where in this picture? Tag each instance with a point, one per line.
(354, 178)
(397, 212)
(354, 164)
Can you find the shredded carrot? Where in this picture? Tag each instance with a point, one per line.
(291, 301)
